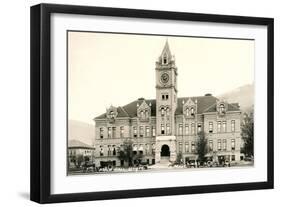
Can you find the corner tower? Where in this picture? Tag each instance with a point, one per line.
(166, 101)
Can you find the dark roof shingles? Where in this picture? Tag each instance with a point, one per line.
(204, 104)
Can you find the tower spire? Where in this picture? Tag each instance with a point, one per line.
(166, 50)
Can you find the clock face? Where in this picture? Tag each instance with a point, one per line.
(164, 78)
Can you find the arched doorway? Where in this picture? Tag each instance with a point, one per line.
(165, 151)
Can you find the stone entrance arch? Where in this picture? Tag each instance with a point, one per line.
(165, 151)
(165, 147)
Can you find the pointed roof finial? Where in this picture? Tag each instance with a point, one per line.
(166, 49)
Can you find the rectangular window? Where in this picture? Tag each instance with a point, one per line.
(147, 131)
(224, 126)
(141, 131)
(219, 126)
(168, 129)
(193, 147)
(219, 145)
(192, 128)
(232, 157)
(233, 144)
(186, 147)
(153, 131)
(210, 127)
(199, 127)
(109, 150)
(109, 132)
(121, 131)
(180, 129)
(101, 150)
(101, 133)
(162, 129)
(113, 132)
(135, 131)
(233, 126)
(113, 150)
(210, 145)
(180, 147)
(186, 129)
(224, 145)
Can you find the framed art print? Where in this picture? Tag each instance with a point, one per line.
(132, 103)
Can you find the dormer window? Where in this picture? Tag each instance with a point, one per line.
(142, 114)
(146, 113)
(111, 114)
(187, 112)
(222, 108)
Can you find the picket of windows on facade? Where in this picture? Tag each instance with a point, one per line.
(210, 127)
(210, 145)
(135, 131)
(224, 126)
(192, 128)
(224, 144)
(219, 145)
(121, 131)
(233, 144)
(141, 131)
(187, 147)
(232, 125)
(101, 133)
(147, 131)
(186, 129)
(180, 129)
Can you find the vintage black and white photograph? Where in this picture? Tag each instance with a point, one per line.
(144, 103)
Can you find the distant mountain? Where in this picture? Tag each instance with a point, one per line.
(81, 131)
(243, 95)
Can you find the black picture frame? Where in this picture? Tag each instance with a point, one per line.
(41, 102)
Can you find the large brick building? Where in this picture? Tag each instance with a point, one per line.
(167, 125)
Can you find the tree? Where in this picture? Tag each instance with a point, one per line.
(78, 160)
(179, 159)
(247, 133)
(127, 153)
(201, 147)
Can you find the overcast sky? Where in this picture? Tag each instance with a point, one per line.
(116, 69)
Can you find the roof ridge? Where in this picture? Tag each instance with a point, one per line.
(205, 110)
(124, 110)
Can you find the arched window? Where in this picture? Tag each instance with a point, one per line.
(168, 112)
(146, 113)
(187, 112)
(192, 111)
(162, 111)
(141, 114)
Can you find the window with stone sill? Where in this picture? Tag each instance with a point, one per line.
(141, 131)
(210, 127)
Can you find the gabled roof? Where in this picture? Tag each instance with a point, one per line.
(230, 107)
(73, 143)
(204, 104)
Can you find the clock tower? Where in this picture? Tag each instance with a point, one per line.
(166, 103)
